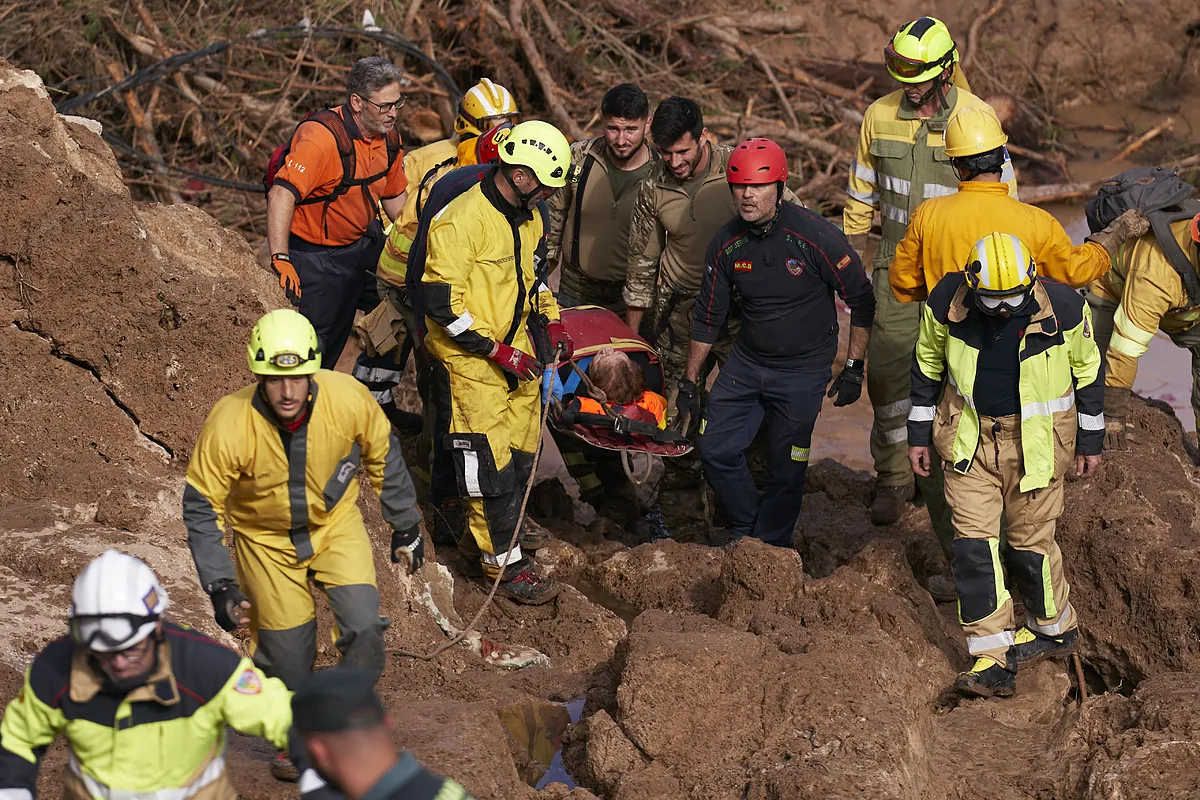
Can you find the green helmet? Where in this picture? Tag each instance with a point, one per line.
(283, 342)
(541, 147)
(920, 50)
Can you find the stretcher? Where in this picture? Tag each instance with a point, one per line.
(592, 329)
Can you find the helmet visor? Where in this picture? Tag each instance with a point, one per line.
(111, 633)
(903, 66)
(1013, 301)
(485, 124)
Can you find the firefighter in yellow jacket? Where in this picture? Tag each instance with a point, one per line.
(482, 294)
(278, 460)
(1143, 294)
(901, 162)
(142, 702)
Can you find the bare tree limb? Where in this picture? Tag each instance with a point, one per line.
(549, 87)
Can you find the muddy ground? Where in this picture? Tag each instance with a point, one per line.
(674, 670)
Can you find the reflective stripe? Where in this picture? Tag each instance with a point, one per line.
(542, 287)
(982, 644)
(1125, 325)
(1007, 173)
(500, 560)
(1040, 408)
(211, 773)
(894, 213)
(863, 173)
(383, 396)
(968, 399)
(895, 185)
(897, 409)
(461, 324)
(922, 414)
(16, 794)
(870, 198)
(799, 453)
(1126, 346)
(892, 436)
(376, 374)
(938, 190)
(1091, 422)
(310, 781)
(471, 473)
(1056, 628)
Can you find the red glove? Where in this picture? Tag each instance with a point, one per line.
(559, 336)
(510, 359)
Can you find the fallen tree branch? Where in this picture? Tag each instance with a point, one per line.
(1055, 192)
(784, 100)
(145, 125)
(778, 130)
(1137, 143)
(976, 27)
(549, 87)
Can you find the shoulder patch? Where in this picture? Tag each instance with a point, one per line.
(248, 682)
(743, 266)
(1087, 329)
(843, 262)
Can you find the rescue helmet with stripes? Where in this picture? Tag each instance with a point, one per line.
(1000, 265)
(920, 51)
(116, 602)
(484, 106)
(540, 147)
(285, 343)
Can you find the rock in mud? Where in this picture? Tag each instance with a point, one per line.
(663, 575)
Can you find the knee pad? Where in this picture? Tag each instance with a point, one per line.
(1031, 572)
(979, 578)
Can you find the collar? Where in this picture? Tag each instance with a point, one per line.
(350, 123)
(1044, 317)
(984, 187)
(86, 682)
(514, 215)
(906, 111)
(260, 405)
(405, 770)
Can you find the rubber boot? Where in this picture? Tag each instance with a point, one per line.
(888, 506)
(987, 679)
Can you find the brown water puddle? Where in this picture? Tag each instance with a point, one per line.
(538, 729)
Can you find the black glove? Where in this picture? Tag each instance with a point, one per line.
(687, 401)
(408, 547)
(227, 601)
(1116, 402)
(847, 385)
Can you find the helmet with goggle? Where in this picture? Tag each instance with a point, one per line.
(1001, 272)
(920, 51)
(283, 343)
(116, 603)
(484, 106)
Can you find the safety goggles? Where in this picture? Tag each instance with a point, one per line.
(1011, 301)
(907, 67)
(109, 633)
(487, 123)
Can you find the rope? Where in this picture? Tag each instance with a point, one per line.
(627, 464)
(537, 454)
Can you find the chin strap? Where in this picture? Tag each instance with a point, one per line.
(937, 90)
(524, 197)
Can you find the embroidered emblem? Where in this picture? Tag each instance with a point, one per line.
(248, 683)
(1087, 329)
(843, 263)
(795, 267)
(743, 266)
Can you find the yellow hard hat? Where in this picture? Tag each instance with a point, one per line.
(1000, 265)
(484, 106)
(920, 50)
(542, 148)
(283, 342)
(973, 130)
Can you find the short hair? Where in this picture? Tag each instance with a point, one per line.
(674, 117)
(370, 75)
(621, 380)
(625, 101)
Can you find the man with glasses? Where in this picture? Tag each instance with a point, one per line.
(277, 462)
(322, 209)
(142, 702)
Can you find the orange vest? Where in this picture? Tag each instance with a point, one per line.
(651, 407)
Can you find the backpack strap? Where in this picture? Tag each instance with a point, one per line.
(334, 123)
(427, 181)
(580, 187)
(1160, 224)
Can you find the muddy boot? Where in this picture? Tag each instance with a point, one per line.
(987, 679)
(941, 589)
(405, 422)
(1030, 647)
(533, 536)
(525, 586)
(889, 504)
(449, 522)
(283, 769)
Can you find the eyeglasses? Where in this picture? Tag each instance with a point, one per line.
(131, 655)
(386, 108)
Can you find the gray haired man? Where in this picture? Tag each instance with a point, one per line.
(323, 224)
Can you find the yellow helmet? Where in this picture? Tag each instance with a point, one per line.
(542, 148)
(973, 130)
(283, 342)
(484, 106)
(920, 50)
(1000, 265)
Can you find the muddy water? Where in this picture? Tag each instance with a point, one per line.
(538, 729)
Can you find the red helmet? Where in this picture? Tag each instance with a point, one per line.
(487, 146)
(757, 161)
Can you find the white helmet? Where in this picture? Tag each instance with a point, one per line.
(116, 603)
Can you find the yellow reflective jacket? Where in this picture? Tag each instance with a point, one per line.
(165, 739)
(480, 281)
(944, 230)
(286, 491)
(1061, 380)
(422, 167)
(1151, 297)
(900, 163)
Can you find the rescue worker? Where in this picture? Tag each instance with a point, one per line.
(143, 702)
(1142, 294)
(680, 206)
(589, 219)
(785, 263)
(484, 107)
(943, 231)
(344, 727)
(900, 162)
(482, 296)
(277, 461)
(1023, 403)
(322, 226)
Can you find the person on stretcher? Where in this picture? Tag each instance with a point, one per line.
(624, 387)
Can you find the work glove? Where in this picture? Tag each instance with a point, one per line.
(289, 281)
(559, 336)
(687, 400)
(229, 605)
(859, 242)
(408, 548)
(1116, 402)
(848, 384)
(512, 360)
(1129, 225)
